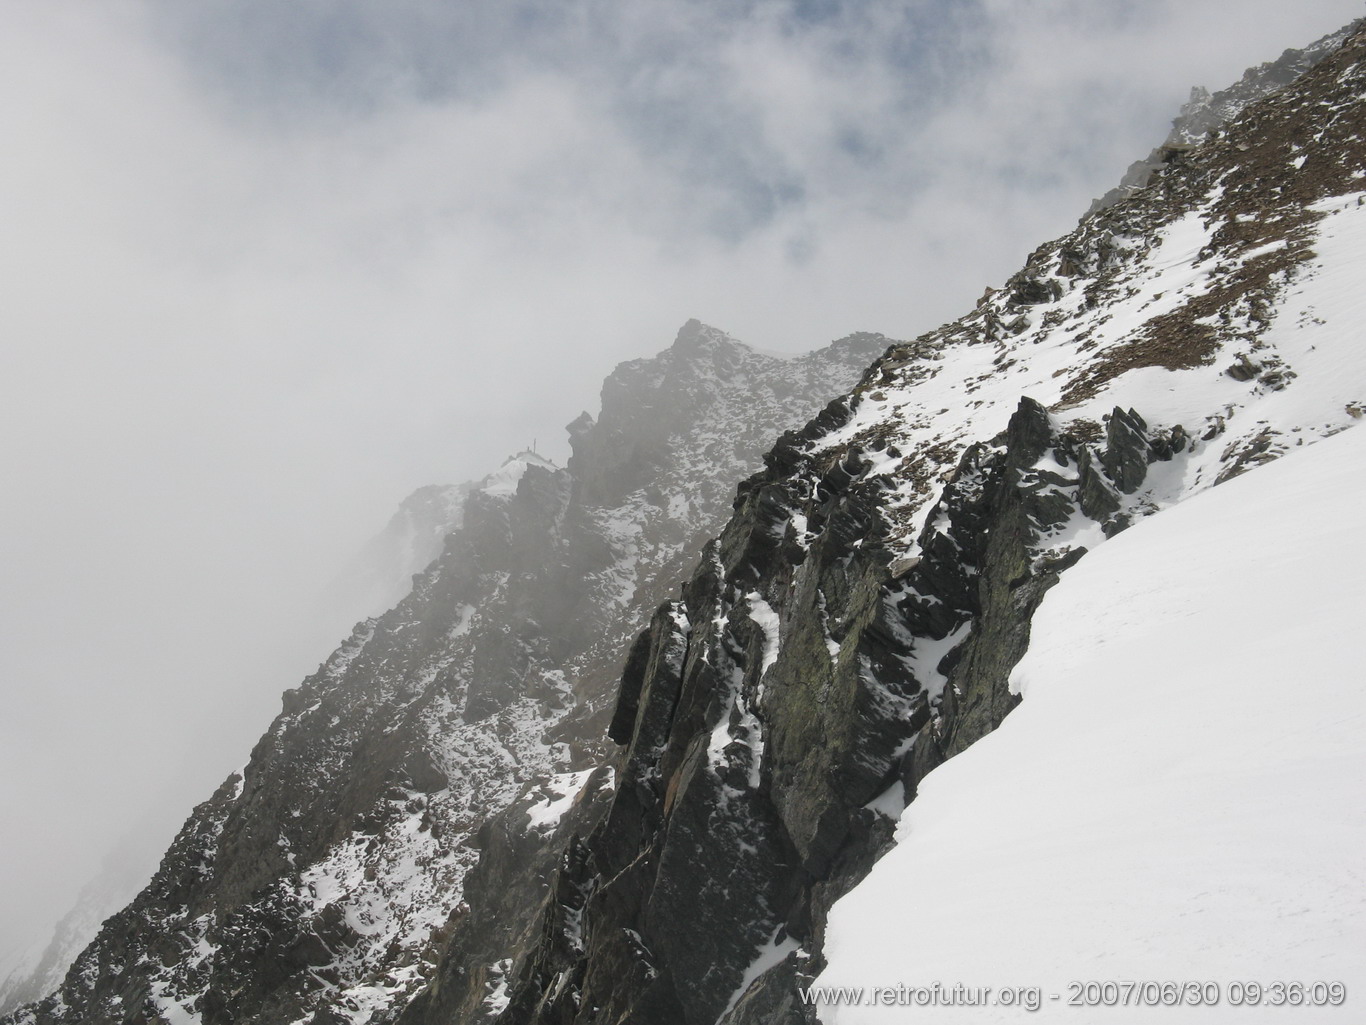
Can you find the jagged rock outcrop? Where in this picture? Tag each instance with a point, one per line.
(436, 830)
(855, 623)
(1204, 113)
(323, 881)
(773, 716)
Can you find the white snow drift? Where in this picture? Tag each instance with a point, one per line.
(1178, 797)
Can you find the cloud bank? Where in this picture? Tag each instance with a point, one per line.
(269, 267)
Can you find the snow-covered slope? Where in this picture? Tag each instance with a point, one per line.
(1227, 305)
(435, 830)
(856, 623)
(1177, 798)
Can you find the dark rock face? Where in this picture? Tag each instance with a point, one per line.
(392, 821)
(435, 829)
(855, 623)
(794, 683)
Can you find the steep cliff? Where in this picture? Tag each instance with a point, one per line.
(325, 877)
(856, 622)
(1173, 803)
(438, 827)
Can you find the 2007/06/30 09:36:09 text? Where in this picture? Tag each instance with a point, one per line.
(1093, 993)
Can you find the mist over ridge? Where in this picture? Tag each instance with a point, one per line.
(265, 289)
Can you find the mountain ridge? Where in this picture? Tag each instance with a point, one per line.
(851, 627)
(336, 855)
(1204, 113)
(776, 717)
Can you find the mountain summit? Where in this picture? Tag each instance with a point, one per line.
(552, 787)
(327, 875)
(855, 626)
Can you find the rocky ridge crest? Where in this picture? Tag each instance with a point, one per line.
(849, 628)
(1204, 113)
(322, 881)
(855, 623)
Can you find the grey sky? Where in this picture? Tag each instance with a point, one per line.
(269, 267)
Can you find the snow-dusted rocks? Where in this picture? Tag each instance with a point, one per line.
(1176, 797)
(903, 539)
(1204, 114)
(382, 573)
(775, 718)
(327, 880)
(435, 829)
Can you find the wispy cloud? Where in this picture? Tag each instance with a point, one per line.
(267, 267)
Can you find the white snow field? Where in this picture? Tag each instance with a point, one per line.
(1180, 797)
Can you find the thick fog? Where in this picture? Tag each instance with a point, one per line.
(268, 267)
